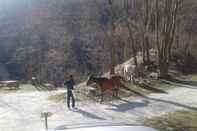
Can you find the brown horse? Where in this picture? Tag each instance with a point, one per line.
(118, 80)
(104, 84)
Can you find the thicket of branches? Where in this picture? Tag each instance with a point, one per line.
(93, 36)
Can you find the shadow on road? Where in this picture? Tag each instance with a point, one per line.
(85, 114)
(182, 82)
(89, 115)
(165, 101)
(127, 105)
(42, 87)
(148, 87)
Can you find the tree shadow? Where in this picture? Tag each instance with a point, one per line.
(81, 125)
(12, 89)
(37, 87)
(155, 90)
(164, 101)
(127, 105)
(133, 91)
(167, 101)
(173, 103)
(182, 82)
(42, 87)
(11, 107)
(84, 114)
(89, 115)
(48, 88)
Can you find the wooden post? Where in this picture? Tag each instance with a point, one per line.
(46, 120)
(46, 115)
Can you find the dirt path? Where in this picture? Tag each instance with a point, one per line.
(21, 111)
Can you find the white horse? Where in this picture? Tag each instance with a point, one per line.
(154, 75)
(129, 70)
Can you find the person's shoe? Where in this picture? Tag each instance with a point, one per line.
(69, 109)
(75, 109)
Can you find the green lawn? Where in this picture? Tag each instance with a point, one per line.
(177, 121)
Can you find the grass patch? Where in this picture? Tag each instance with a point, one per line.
(22, 87)
(192, 77)
(58, 97)
(61, 96)
(163, 84)
(190, 80)
(177, 121)
(81, 94)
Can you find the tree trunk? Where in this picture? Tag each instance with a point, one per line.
(143, 51)
(113, 60)
(164, 69)
(165, 27)
(135, 54)
(112, 41)
(147, 50)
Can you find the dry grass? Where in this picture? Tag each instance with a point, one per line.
(177, 121)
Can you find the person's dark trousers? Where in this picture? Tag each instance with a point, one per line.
(70, 96)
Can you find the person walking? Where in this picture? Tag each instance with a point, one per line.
(69, 84)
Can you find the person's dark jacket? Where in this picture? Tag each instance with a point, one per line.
(70, 84)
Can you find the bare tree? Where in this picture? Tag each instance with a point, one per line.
(146, 19)
(165, 25)
(112, 38)
(130, 23)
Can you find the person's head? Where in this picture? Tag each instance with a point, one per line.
(71, 76)
(68, 77)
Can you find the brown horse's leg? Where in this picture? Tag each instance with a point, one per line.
(113, 94)
(102, 95)
(102, 92)
(116, 93)
(116, 90)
